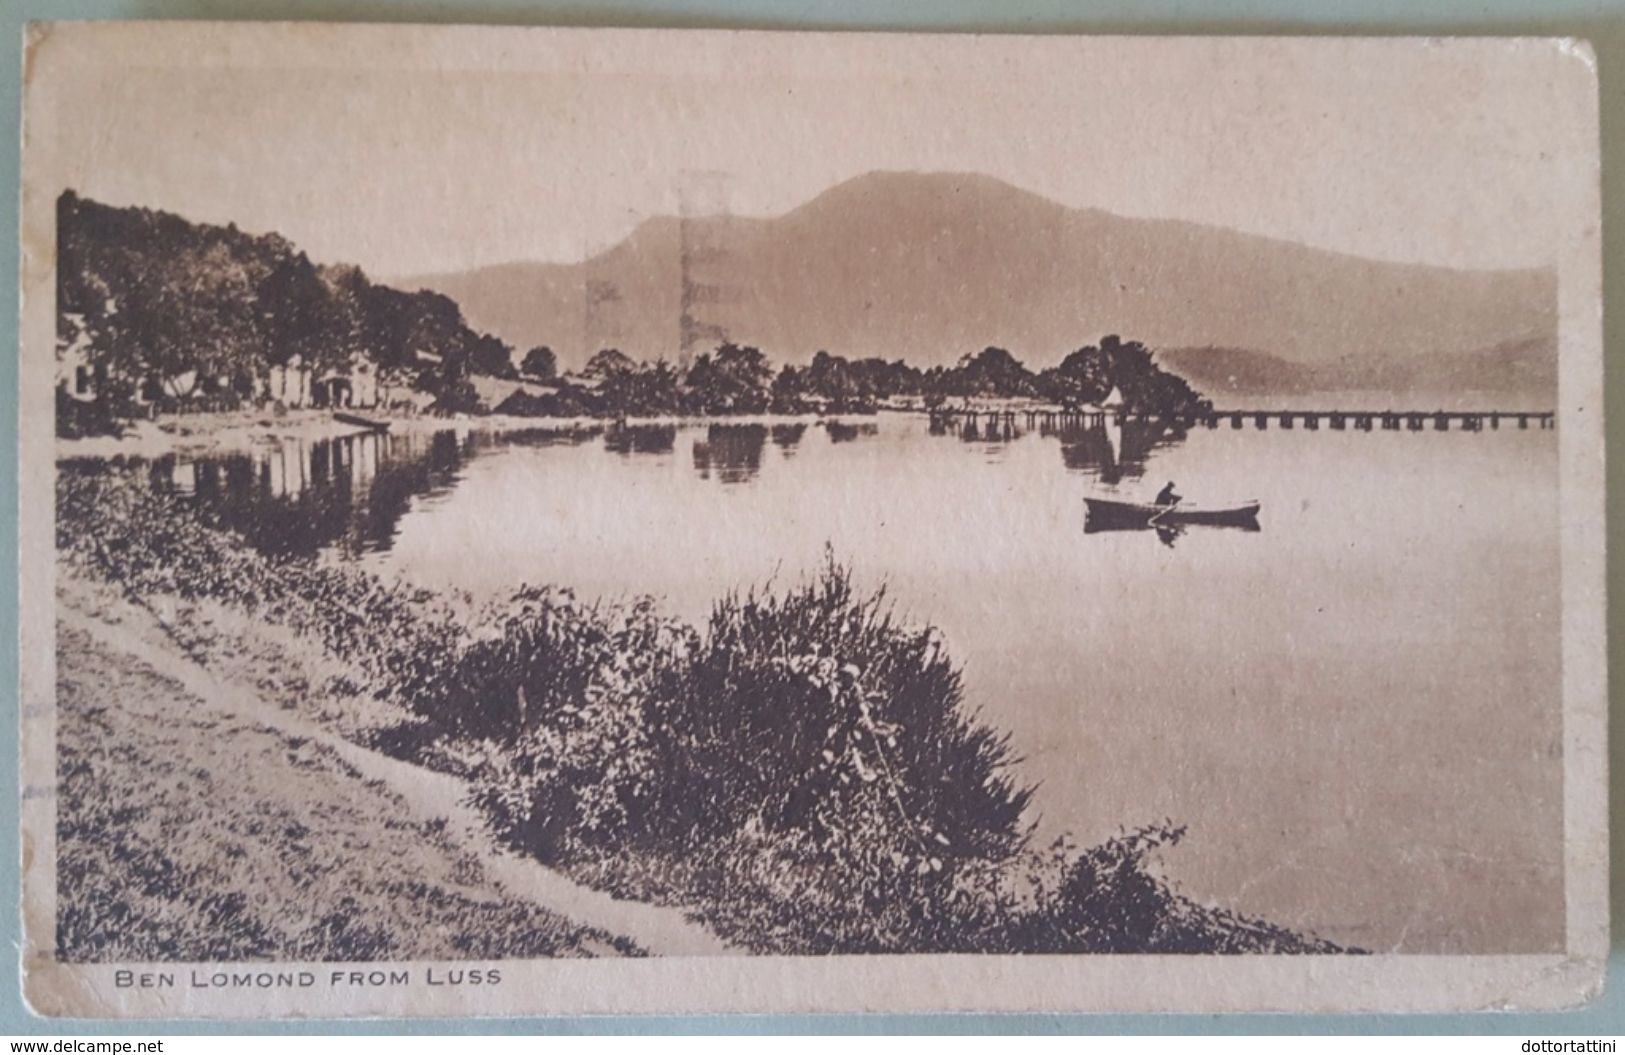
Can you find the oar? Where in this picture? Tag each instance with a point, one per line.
(1171, 507)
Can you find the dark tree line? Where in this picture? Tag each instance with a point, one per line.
(739, 379)
(192, 314)
(180, 312)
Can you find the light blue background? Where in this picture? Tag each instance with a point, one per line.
(1601, 21)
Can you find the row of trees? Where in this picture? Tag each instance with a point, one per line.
(177, 310)
(739, 379)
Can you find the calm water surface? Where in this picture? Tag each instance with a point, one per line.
(1355, 709)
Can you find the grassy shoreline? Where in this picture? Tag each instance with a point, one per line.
(285, 850)
(801, 769)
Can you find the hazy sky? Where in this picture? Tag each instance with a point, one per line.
(408, 153)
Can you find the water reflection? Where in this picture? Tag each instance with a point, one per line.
(990, 431)
(787, 436)
(845, 432)
(301, 497)
(1105, 450)
(1283, 738)
(537, 437)
(641, 439)
(1167, 534)
(732, 452)
(1111, 452)
(350, 493)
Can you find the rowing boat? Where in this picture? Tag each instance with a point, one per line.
(1110, 513)
(360, 422)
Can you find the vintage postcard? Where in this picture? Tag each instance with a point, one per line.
(558, 521)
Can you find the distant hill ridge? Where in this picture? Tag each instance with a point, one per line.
(928, 267)
(1523, 370)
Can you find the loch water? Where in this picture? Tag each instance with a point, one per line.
(1354, 710)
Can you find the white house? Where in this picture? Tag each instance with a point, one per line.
(297, 384)
(75, 374)
(355, 386)
(289, 383)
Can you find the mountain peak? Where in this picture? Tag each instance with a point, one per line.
(928, 266)
(970, 192)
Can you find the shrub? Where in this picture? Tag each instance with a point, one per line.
(807, 707)
(804, 768)
(402, 642)
(76, 418)
(564, 696)
(457, 396)
(807, 711)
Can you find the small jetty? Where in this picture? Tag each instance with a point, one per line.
(1312, 420)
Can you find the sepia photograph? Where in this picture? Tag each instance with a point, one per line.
(808, 522)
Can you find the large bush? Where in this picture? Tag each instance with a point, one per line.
(809, 711)
(803, 768)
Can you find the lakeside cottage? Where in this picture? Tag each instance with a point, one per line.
(289, 383)
(296, 384)
(84, 377)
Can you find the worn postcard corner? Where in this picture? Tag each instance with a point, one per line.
(586, 521)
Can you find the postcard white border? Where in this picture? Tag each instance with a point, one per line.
(1392, 983)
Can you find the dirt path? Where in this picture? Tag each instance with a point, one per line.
(659, 930)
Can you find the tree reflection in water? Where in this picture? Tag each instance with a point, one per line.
(1109, 452)
(787, 436)
(349, 493)
(641, 439)
(846, 432)
(732, 452)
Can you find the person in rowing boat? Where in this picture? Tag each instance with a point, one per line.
(1168, 496)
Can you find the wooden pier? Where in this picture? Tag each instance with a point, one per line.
(1336, 420)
